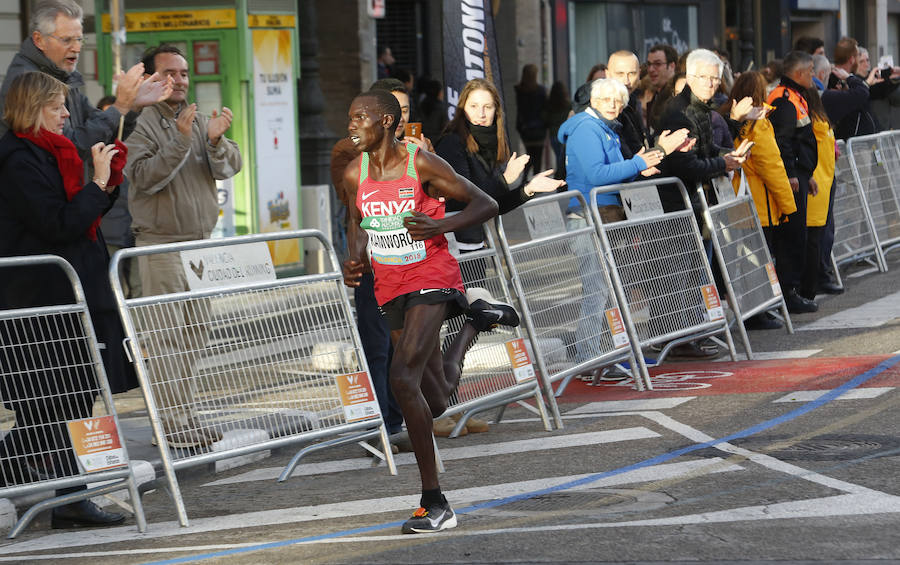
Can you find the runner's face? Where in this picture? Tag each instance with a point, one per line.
(365, 128)
(480, 108)
(403, 99)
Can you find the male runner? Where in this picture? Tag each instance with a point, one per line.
(399, 193)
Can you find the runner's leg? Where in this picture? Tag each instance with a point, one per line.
(414, 346)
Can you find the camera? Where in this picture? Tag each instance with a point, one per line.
(885, 73)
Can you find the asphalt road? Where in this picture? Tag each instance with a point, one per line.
(807, 472)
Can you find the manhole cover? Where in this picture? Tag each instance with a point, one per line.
(821, 448)
(587, 502)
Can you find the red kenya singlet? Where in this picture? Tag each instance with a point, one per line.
(400, 264)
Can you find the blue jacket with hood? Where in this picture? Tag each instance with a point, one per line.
(594, 157)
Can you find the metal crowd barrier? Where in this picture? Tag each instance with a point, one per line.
(51, 373)
(247, 360)
(875, 165)
(748, 271)
(497, 369)
(855, 237)
(563, 288)
(660, 271)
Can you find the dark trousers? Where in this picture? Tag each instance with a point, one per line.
(790, 241)
(376, 342)
(826, 243)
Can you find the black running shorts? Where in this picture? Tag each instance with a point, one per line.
(395, 309)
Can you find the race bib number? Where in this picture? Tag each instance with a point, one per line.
(390, 242)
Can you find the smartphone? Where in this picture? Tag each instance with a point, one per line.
(413, 129)
(885, 73)
(748, 148)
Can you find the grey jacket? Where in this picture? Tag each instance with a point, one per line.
(86, 124)
(173, 196)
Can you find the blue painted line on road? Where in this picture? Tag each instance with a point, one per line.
(762, 426)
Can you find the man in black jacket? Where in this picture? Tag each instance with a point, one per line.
(797, 143)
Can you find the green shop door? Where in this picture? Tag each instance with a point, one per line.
(213, 61)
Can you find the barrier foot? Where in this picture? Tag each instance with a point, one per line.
(29, 514)
(289, 468)
(137, 504)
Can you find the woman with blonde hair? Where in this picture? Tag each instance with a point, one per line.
(46, 208)
(763, 169)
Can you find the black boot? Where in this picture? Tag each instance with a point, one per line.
(797, 304)
(83, 513)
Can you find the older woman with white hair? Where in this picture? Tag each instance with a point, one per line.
(594, 158)
(593, 147)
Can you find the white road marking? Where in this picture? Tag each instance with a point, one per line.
(770, 355)
(340, 510)
(450, 454)
(870, 315)
(631, 405)
(765, 460)
(854, 394)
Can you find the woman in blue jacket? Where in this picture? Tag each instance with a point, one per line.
(594, 158)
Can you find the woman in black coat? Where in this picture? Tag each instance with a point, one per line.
(46, 209)
(475, 145)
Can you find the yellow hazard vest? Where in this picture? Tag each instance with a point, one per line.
(796, 99)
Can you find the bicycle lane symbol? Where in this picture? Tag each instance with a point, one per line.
(680, 380)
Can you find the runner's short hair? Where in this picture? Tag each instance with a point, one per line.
(385, 102)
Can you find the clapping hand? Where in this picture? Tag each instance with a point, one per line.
(542, 182)
(740, 111)
(185, 119)
(219, 124)
(155, 88)
(514, 167)
(672, 140)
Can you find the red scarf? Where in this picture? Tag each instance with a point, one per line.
(70, 165)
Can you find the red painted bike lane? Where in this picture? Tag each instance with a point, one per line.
(742, 377)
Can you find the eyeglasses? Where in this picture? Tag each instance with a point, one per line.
(656, 63)
(611, 101)
(711, 80)
(68, 41)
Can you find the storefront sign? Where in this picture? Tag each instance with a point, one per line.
(271, 20)
(181, 20)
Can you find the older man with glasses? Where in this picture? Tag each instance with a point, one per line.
(53, 47)
(691, 109)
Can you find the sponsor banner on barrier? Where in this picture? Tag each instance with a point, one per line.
(724, 189)
(521, 361)
(357, 396)
(641, 202)
(617, 328)
(773, 279)
(96, 443)
(544, 220)
(227, 265)
(713, 305)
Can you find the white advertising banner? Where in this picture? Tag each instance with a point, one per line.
(276, 138)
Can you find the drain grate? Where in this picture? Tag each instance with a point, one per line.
(586, 502)
(821, 448)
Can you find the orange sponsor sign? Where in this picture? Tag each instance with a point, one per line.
(357, 396)
(713, 304)
(773, 279)
(521, 361)
(96, 443)
(616, 327)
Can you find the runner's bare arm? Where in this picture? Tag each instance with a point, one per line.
(356, 238)
(439, 179)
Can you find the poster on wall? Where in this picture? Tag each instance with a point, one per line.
(276, 139)
(470, 48)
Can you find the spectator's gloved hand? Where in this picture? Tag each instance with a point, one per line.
(117, 164)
